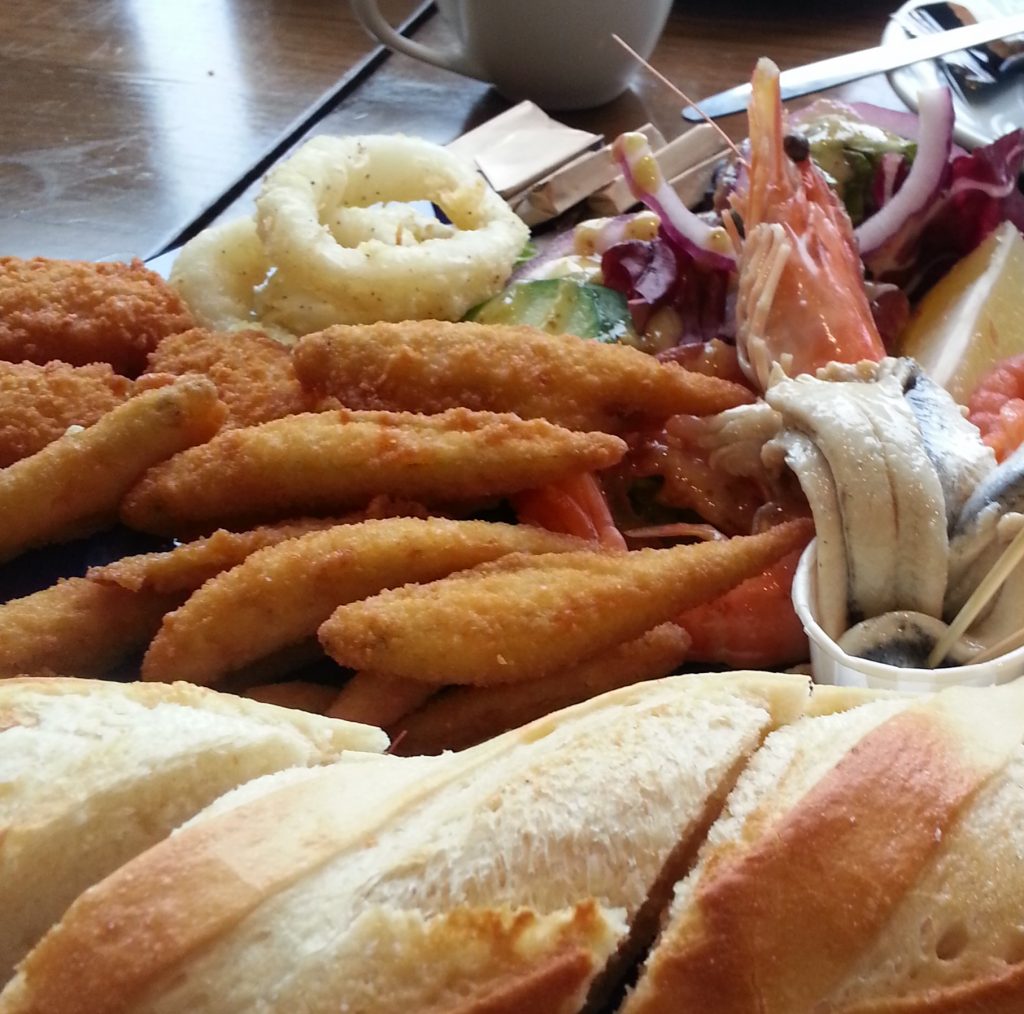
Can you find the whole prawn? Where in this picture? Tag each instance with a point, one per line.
(801, 300)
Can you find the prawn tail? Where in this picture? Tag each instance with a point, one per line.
(573, 506)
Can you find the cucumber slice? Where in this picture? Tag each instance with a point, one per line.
(561, 306)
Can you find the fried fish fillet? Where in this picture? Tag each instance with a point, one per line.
(73, 486)
(430, 366)
(524, 617)
(253, 374)
(38, 403)
(322, 463)
(381, 700)
(82, 312)
(281, 594)
(191, 564)
(77, 628)
(460, 717)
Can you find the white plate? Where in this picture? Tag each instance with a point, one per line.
(976, 122)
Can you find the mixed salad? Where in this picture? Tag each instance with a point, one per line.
(816, 244)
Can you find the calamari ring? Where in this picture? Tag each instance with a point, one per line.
(438, 278)
(219, 273)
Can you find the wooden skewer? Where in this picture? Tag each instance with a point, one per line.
(678, 91)
(980, 597)
(1003, 647)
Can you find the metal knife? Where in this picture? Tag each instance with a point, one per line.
(851, 66)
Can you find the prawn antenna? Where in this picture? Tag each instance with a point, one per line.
(678, 91)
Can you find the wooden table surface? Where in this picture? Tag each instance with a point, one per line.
(125, 120)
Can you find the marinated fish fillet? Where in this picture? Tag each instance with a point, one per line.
(886, 489)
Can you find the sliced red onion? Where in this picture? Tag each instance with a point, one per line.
(707, 244)
(897, 122)
(926, 175)
(890, 176)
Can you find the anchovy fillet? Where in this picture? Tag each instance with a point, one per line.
(890, 500)
(801, 454)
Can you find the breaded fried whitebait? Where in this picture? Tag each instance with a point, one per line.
(73, 486)
(253, 374)
(191, 564)
(380, 700)
(84, 312)
(281, 594)
(77, 628)
(322, 463)
(464, 716)
(521, 618)
(430, 366)
(38, 403)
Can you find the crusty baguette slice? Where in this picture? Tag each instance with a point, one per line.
(866, 861)
(92, 773)
(263, 901)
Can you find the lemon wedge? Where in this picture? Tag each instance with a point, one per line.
(973, 317)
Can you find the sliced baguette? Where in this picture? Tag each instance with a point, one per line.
(866, 861)
(92, 773)
(276, 897)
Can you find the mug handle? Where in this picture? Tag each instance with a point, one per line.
(373, 21)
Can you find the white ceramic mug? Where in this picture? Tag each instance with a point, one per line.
(559, 53)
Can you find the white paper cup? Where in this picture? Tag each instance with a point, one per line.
(558, 53)
(830, 664)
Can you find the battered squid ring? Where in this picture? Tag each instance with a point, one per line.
(439, 278)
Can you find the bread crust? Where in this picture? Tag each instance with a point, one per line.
(1002, 994)
(779, 917)
(544, 988)
(166, 921)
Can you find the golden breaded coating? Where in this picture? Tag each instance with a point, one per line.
(38, 403)
(430, 366)
(460, 717)
(380, 700)
(524, 617)
(77, 628)
(281, 594)
(82, 312)
(73, 486)
(191, 564)
(322, 463)
(253, 374)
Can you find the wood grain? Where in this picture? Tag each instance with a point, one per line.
(123, 119)
(130, 117)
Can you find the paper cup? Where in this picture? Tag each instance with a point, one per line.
(830, 664)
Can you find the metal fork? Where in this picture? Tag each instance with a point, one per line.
(974, 72)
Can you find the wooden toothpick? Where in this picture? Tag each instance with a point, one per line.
(678, 91)
(980, 597)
